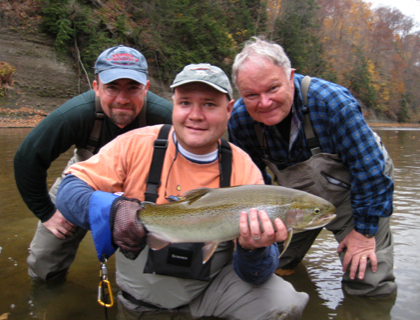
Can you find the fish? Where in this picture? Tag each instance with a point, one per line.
(211, 216)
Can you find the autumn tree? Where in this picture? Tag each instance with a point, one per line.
(374, 53)
(410, 47)
(361, 80)
(295, 29)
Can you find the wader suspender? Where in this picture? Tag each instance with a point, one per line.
(161, 144)
(96, 131)
(311, 139)
(92, 142)
(225, 163)
(153, 181)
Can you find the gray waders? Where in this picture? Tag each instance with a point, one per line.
(49, 256)
(195, 290)
(324, 175)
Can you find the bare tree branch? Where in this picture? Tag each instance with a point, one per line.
(81, 63)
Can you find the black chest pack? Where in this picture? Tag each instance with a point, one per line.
(181, 260)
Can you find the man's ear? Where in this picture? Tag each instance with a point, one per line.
(95, 85)
(292, 74)
(230, 107)
(146, 87)
(292, 83)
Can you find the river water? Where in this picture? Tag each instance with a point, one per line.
(319, 275)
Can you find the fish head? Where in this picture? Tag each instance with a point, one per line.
(308, 212)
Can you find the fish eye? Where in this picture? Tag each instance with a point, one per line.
(317, 211)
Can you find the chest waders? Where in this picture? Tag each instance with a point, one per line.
(49, 256)
(182, 260)
(325, 175)
(179, 260)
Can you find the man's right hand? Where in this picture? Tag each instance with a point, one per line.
(59, 226)
(128, 232)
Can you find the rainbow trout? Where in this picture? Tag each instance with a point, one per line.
(212, 215)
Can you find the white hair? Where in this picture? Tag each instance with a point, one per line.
(259, 48)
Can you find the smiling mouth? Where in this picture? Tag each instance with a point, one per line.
(196, 129)
(122, 109)
(266, 111)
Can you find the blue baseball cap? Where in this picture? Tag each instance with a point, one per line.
(121, 63)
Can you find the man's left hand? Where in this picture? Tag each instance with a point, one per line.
(359, 250)
(255, 235)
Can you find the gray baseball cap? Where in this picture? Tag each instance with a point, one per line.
(121, 63)
(206, 73)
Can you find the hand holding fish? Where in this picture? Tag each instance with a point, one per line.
(258, 235)
(211, 216)
(128, 232)
(359, 250)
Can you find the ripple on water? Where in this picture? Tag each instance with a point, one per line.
(325, 269)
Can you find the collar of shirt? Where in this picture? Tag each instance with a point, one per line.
(197, 158)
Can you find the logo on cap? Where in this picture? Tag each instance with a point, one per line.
(203, 70)
(123, 59)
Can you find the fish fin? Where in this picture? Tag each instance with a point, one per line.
(174, 198)
(195, 194)
(147, 204)
(156, 243)
(287, 242)
(208, 250)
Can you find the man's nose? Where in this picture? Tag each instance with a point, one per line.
(122, 96)
(196, 112)
(265, 100)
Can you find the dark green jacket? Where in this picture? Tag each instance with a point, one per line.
(69, 125)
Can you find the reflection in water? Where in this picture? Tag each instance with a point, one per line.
(319, 275)
(406, 220)
(76, 298)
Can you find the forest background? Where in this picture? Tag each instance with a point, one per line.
(375, 53)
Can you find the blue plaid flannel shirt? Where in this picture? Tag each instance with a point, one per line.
(338, 122)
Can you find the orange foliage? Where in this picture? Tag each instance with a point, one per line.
(352, 33)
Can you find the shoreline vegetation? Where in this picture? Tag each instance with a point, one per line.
(373, 52)
(24, 117)
(27, 117)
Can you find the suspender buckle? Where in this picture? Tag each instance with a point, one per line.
(100, 115)
(161, 143)
(315, 151)
(152, 189)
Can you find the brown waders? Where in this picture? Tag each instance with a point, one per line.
(324, 175)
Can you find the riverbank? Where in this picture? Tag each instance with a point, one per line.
(21, 118)
(392, 125)
(29, 118)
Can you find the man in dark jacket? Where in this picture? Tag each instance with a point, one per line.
(119, 103)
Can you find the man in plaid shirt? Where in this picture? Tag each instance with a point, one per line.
(342, 161)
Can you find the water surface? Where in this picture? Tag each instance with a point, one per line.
(319, 275)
